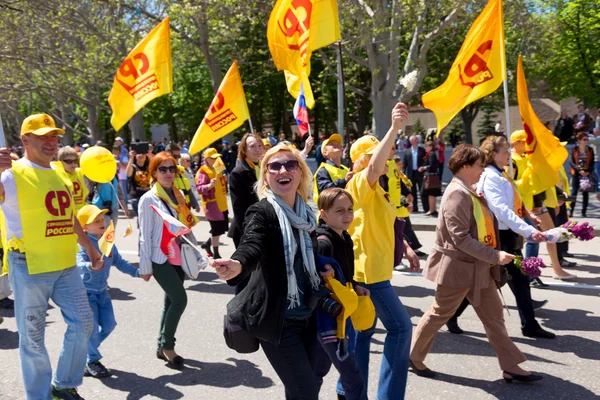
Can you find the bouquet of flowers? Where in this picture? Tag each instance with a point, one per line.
(530, 266)
(569, 231)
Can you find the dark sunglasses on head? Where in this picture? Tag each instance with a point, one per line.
(163, 170)
(290, 166)
(177, 156)
(70, 161)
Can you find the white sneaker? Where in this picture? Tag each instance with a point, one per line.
(401, 267)
(567, 277)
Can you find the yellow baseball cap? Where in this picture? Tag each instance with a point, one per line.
(211, 152)
(333, 138)
(40, 125)
(518, 136)
(88, 214)
(364, 145)
(266, 143)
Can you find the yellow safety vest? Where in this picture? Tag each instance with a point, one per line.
(521, 162)
(395, 189)
(518, 201)
(182, 183)
(47, 219)
(486, 232)
(80, 190)
(220, 188)
(335, 173)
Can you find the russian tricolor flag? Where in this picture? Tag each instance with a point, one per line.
(301, 113)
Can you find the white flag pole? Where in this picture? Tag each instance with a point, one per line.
(507, 110)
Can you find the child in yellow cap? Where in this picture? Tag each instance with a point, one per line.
(93, 223)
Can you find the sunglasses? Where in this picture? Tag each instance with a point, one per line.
(177, 156)
(70, 161)
(163, 170)
(290, 166)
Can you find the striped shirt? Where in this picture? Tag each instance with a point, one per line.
(151, 227)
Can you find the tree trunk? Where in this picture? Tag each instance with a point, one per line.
(382, 111)
(468, 115)
(136, 126)
(93, 127)
(68, 136)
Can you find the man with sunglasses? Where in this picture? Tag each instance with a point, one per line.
(181, 182)
(68, 160)
(41, 235)
(122, 160)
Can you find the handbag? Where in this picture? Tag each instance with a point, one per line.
(587, 184)
(432, 181)
(237, 338)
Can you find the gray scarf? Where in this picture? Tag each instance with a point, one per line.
(303, 220)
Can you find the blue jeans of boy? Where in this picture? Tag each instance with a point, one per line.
(351, 379)
(396, 349)
(531, 249)
(104, 323)
(32, 293)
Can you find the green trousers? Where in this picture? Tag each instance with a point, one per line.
(170, 279)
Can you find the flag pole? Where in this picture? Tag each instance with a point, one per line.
(341, 96)
(507, 111)
(251, 127)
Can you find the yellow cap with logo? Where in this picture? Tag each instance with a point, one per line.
(40, 125)
(333, 138)
(211, 152)
(364, 145)
(88, 214)
(518, 136)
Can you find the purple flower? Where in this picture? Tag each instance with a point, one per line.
(530, 266)
(582, 231)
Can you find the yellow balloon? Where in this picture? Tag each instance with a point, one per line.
(98, 164)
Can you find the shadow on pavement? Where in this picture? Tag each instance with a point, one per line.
(569, 320)
(240, 373)
(550, 387)
(581, 347)
(118, 294)
(219, 288)
(8, 339)
(414, 291)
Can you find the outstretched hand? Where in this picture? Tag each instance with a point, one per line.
(226, 268)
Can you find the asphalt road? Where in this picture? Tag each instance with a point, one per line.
(466, 365)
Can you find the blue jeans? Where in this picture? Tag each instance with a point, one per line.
(104, 323)
(396, 348)
(351, 379)
(597, 173)
(32, 293)
(125, 188)
(531, 249)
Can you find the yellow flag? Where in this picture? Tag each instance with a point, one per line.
(543, 149)
(226, 113)
(296, 28)
(219, 166)
(144, 75)
(478, 70)
(107, 241)
(128, 230)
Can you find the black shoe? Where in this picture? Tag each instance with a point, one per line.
(206, 247)
(160, 355)
(521, 378)
(538, 284)
(65, 394)
(539, 304)
(176, 362)
(539, 333)
(425, 373)
(420, 254)
(97, 370)
(567, 254)
(7, 303)
(434, 214)
(567, 264)
(453, 327)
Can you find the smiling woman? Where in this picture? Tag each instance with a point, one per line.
(277, 252)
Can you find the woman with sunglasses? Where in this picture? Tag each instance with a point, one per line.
(582, 166)
(278, 251)
(153, 262)
(68, 160)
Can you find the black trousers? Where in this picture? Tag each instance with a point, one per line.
(417, 181)
(294, 358)
(574, 190)
(411, 237)
(559, 220)
(518, 283)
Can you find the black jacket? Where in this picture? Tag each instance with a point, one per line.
(407, 162)
(260, 307)
(431, 163)
(341, 250)
(241, 190)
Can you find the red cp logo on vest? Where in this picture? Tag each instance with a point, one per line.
(58, 202)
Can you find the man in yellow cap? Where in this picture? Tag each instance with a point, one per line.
(331, 173)
(40, 239)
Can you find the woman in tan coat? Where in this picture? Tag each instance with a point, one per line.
(465, 261)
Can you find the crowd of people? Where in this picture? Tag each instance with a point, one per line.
(314, 253)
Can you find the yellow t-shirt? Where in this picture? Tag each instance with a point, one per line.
(372, 230)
